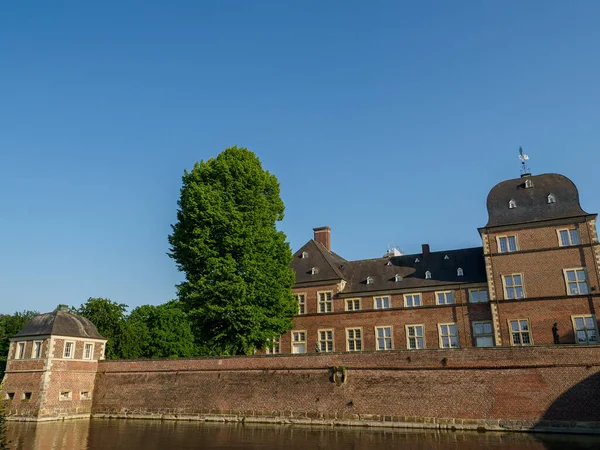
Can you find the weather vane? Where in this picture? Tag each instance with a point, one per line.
(523, 157)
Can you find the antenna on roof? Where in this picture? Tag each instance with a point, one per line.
(524, 167)
(393, 250)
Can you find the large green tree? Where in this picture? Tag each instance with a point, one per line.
(109, 318)
(238, 282)
(11, 324)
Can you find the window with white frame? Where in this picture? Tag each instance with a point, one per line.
(586, 329)
(304, 255)
(69, 350)
(85, 395)
(513, 286)
(507, 244)
(88, 350)
(325, 302)
(512, 204)
(301, 299)
(354, 339)
(520, 332)
(298, 341)
(460, 272)
(36, 352)
(444, 298)
(325, 340)
(483, 333)
(478, 295)
(352, 304)
(568, 236)
(448, 335)
(369, 280)
(273, 348)
(551, 198)
(428, 275)
(382, 302)
(411, 300)
(397, 278)
(383, 336)
(415, 338)
(576, 281)
(20, 354)
(65, 395)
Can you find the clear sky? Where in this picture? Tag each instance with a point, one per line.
(388, 121)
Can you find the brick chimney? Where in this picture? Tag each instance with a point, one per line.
(323, 236)
(426, 250)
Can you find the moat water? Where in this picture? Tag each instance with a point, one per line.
(104, 434)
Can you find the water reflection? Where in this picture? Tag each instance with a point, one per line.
(115, 434)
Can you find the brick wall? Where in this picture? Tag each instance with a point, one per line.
(516, 384)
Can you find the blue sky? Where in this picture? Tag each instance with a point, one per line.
(388, 121)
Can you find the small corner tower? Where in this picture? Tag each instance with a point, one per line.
(51, 367)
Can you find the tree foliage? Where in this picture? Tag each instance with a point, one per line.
(108, 316)
(11, 324)
(238, 281)
(4, 442)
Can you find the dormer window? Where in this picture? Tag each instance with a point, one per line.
(460, 272)
(304, 255)
(428, 275)
(528, 184)
(369, 280)
(446, 257)
(397, 278)
(314, 271)
(512, 204)
(417, 260)
(389, 263)
(551, 198)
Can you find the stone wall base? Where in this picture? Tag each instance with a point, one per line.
(431, 423)
(46, 419)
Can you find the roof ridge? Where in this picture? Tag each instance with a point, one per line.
(383, 258)
(326, 255)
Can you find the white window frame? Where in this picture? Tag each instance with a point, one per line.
(298, 342)
(85, 347)
(20, 350)
(325, 302)
(487, 295)
(586, 330)
(484, 334)
(397, 278)
(385, 338)
(445, 294)
(507, 238)
(72, 353)
(460, 272)
(415, 336)
(34, 348)
(551, 198)
(520, 332)
(448, 335)
(370, 280)
(428, 275)
(577, 281)
(514, 286)
(353, 304)
(354, 339)
(274, 348)
(512, 204)
(382, 298)
(67, 397)
(85, 395)
(301, 304)
(413, 294)
(329, 346)
(569, 236)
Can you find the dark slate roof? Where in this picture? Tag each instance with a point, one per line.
(327, 263)
(532, 203)
(62, 323)
(443, 270)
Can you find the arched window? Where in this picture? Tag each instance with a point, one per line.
(314, 271)
(460, 272)
(512, 204)
(304, 255)
(369, 280)
(428, 275)
(551, 198)
(528, 184)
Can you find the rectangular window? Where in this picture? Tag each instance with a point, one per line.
(37, 350)
(10, 396)
(568, 237)
(507, 244)
(353, 304)
(384, 338)
(65, 395)
(414, 337)
(325, 340)
(444, 298)
(354, 339)
(483, 333)
(274, 348)
(411, 300)
(301, 298)
(513, 286)
(478, 295)
(88, 351)
(586, 329)
(382, 302)
(576, 282)
(520, 333)
(448, 335)
(69, 350)
(20, 350)
(325, 302)
(298, 341)
(85, 395)
(26, 396)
